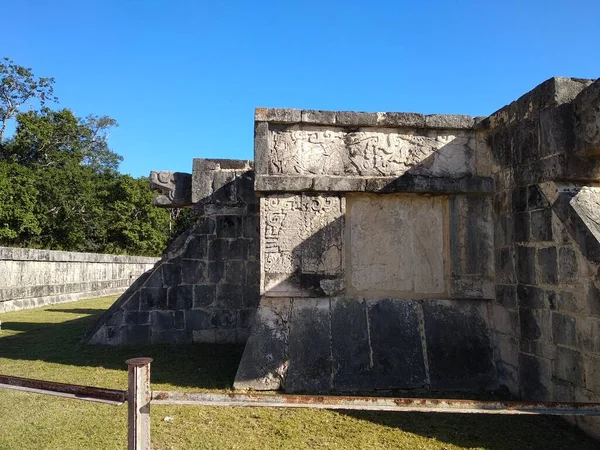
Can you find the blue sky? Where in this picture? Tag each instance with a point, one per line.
(183, 77)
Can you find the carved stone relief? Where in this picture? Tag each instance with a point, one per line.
(301, 240)
(377, 152)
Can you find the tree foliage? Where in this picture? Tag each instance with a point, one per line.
(59, 182)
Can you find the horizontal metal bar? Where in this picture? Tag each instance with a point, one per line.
(459, 406)
(74, 391)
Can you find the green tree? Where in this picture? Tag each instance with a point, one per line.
(18, 86)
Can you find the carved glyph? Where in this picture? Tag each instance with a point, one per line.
(377, 152)
(300, 235)
(175, 188)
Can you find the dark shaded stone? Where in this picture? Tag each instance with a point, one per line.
(505, 267)
(235, 272)
(137, 335)
(171, 274)
(193, 271)
(204, 295)
(522, 227)
(350, 346)
(116, 319)
(246, 317)
(226, 336)
(541, 225)
(153, 298)
(547, 264)
(181, 297)
(197, 319)
(251, 226)
(206, 226)
(535, 376)
(535, 198)
(171, 337)
(396, 344)
(309, 347)
(196, 248)
(136, 318)
(161, 320)
(155, 279)
(519, 199)
(506, 295)
(229, 226)
(531, 297)
(525, 259)
(227, 249)
(465, 360)
(252, 273)
(564, 329)
(568, 267)
(593, 299)
(251, 297)
(568, 366)
(215, 271)
(230, 296)
(223, 319)
(133, 302)
(531, 323)
(179, 320)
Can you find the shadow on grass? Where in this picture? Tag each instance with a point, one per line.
(186, 366)
(492, 432)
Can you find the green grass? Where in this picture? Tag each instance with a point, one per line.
(44, 343)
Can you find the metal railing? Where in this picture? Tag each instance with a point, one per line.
(139, 397)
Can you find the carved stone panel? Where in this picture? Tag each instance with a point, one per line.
(397, 244)
(301, 244)
(311, 150)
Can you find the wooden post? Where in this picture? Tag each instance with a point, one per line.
(138, 399)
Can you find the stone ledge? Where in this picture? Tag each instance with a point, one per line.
(404, 183)
(365, 119)
(28, 254)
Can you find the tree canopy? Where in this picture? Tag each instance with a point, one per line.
(60, 187)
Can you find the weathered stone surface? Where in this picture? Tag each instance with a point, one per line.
(396, 344)
(301, 243)
(535, 377)
(389, 251)
(352, 365)
(465, 360)
(472, 246)
(313, 150)
(587, 125)
(175, 189)
(309, 347)
(264, 363)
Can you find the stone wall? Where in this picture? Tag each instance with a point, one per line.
(30, 278)
(205, 287)
(547, 248)
(376, 244)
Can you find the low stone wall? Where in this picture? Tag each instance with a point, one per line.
(30, 278)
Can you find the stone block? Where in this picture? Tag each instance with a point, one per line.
(277, 115)
(136, 318)
(228, 249)
(466, 360)
(535, 378)
(179, 320)
(153, 298)
(301, 243)
(235, 272)
(196, 247)
(246, 317)
(587, 121)
(592, 369)
(388, 252)
(161, 321)
(507, 348)
(541, 225)
(227, 336)
(505, 321)
(535, 324)
(506, 296)
(531, 297)
(180, 297)
(171, 274)
(525, 264)
(568, 366)
(136, 335)
(519, 199)
(568, 266)
(309, 348)
(542, 349)
(536, 198)
(204, 295)
(198, 319)
(588, 334)
(397, 348)
(223, 319)
(230, 296)
(593, 298)
(350, 346)
(264, 362)
(318, 117)
(229, 226)
(547, 265)
(204, 336)
(522, 224)
(564, 329)
(505, 266)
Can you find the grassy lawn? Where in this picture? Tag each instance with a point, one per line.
(44, 343)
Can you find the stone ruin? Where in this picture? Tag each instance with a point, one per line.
(377, 251)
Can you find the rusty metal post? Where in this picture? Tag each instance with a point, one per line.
(138, 399)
